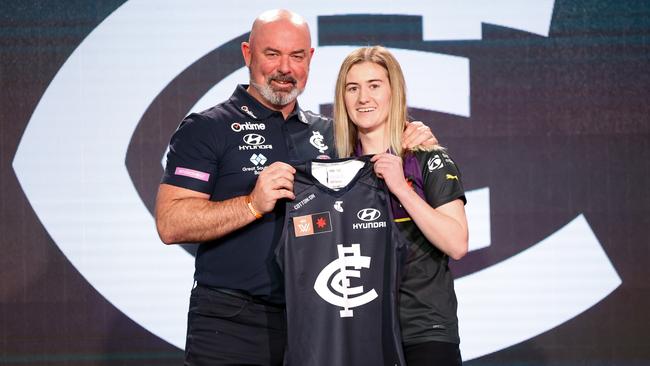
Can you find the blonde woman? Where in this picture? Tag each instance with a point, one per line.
(428, 199)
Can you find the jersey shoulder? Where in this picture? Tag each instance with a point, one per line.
(436, 161)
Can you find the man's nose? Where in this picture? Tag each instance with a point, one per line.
(283, 67)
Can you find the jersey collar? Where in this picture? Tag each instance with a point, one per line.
(252, 108)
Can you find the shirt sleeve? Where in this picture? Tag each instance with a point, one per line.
(441, 178)
(192, 157)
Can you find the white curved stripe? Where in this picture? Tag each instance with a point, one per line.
(477, 211)
(454, 20)
(533, 291)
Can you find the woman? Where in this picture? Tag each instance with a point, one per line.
(428, 200)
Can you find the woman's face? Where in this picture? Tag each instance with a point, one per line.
(367, 96)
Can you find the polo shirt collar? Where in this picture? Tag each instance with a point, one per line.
(256, 110)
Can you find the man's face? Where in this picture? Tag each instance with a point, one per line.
(278, 61)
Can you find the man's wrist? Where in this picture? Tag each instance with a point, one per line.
(249, 204)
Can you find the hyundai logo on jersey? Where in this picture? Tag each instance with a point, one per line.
(368, 214)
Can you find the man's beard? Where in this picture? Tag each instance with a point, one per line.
(277, 97)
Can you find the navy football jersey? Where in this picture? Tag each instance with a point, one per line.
(340, 255)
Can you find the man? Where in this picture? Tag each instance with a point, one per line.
(227, 168)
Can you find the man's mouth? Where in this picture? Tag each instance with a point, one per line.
(283, 82)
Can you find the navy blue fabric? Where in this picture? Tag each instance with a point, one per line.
(221, 152)
(322, 227)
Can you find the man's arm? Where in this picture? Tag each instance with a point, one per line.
(187, 216)
(417, 133)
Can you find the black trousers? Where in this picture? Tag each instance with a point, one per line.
(433, 354)
(233, 329)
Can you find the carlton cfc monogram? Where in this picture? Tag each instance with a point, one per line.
(337, 275)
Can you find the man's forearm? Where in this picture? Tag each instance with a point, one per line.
(190, 220)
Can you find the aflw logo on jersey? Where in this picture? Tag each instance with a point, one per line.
(369, 215)
(312, 224)
(336, 276)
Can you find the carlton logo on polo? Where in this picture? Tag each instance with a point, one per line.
(317, 141)
(247, 126)
(336, 276)
(369, 215)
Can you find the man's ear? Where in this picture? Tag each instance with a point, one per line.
(246, 52)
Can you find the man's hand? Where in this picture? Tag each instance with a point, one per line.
(417, 133)
(274, 183)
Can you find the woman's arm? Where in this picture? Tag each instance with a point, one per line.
(444, 226)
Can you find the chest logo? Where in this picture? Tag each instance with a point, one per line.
(258, 159)
(247, 126)
(368, 214)
(254, 139)
(317, 141)
(246, 110)
(338, 206)
(335, 277)
(317, 223)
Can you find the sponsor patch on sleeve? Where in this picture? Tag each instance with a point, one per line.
(192, 174)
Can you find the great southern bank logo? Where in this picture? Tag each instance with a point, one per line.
(108, 234)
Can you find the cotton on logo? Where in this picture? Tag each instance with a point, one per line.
(337, 276)
(368, 214)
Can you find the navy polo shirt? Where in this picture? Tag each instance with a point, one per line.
(220, 152)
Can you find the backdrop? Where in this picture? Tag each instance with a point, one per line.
(542, 104)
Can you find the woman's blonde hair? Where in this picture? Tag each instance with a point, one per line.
(345, 132)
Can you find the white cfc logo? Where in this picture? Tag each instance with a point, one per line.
(338, 276)
(317, 141)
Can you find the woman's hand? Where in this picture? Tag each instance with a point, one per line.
(389, 168)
